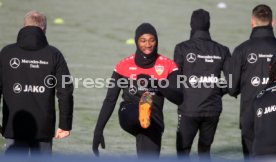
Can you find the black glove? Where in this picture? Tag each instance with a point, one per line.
(97, 140)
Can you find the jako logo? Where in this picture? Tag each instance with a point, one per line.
(193, 79)
(267, 110)
(270, 109)
(17, 88)
(34, 89)
(259, 112)
(255, 81)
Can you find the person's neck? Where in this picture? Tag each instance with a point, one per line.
(255, 25)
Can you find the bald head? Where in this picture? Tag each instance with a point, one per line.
(35, 18)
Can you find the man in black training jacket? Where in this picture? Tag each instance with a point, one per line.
(201, 60)
(30, 74)
(263, 119)
(249, 67)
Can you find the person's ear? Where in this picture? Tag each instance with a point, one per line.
(272, 23)
(252, 22)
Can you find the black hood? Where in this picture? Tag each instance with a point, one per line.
(200, 20)
(141, 59)
(31, 38)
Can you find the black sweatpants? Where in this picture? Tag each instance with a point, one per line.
(148, 141)
(187, 130)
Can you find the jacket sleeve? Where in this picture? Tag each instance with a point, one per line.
(64, 90)
(174, 92)
(109, 103)
(225, 69)
(250, 129)
(178, 58)
(273, 60)
(235, 69)
(1, 85)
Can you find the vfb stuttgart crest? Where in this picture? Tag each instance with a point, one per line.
(159, 69)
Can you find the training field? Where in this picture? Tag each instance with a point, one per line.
(93, 39)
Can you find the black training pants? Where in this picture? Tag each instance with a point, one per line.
(148, 141)
(246, 146)
(187, 130)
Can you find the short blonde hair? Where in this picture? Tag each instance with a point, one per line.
(35, 18)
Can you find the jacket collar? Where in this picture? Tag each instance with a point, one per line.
(262, 31)
(200, 34)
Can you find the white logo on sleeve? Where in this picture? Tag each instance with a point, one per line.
(17, 88)
(259, 112)
(267, 110)
(191, 57)
(252, 58)
(261, 94)
(14, 63)
(255, 81)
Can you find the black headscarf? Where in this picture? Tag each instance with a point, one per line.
(141, 59)
(200, 20)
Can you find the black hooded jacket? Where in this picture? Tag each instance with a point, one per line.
(28, 96)
(201, 61)
(249, 67)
